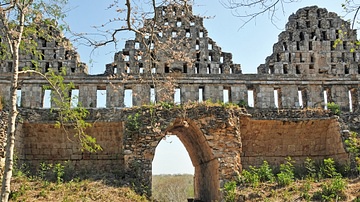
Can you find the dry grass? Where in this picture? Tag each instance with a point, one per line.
(294, 192)
(25, 189)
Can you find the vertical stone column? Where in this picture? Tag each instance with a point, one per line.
(115, 95)
(87, 95)
(32, 95)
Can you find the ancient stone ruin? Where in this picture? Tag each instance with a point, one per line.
(174, 60)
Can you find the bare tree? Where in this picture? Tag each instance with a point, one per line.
(249, 10)
(19, 27)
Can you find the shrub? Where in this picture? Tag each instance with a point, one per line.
(286, 175)
(353, 147)
(305, 190)
(328, 169)
(265, 173)
(310, 168)
(242, 103)
(333, 189)
(334, 108)
(250, 177)
(230, 191)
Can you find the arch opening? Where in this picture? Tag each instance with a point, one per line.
(172, 171)
(206, 174)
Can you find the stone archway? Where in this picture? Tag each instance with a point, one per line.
(206, 176)
(211, 137)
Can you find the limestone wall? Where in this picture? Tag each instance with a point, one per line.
(42, 142)
(274, 140)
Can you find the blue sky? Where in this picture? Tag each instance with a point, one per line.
(249, 45)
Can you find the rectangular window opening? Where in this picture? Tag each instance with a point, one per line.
(226, 95)
(298, 71)
(208, 69)
(137, 45)
(201, 34)
(350, 102)
(187, 33)
(276, 98)
(300, 97)
(347, 70)
(47, 99)
(197, 68)
(285, 68)
(177, 96)
(128, 98)
(152, 95)
(185, 68)
(325, 99)
(271, 69)
(18, 97)
(74, 98)
(100, 98)
(251, 101)
(201, 93)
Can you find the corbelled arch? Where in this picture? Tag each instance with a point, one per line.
(206, 178)
(211, 135)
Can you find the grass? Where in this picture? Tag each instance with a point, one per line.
(300, 190)
(35, 189)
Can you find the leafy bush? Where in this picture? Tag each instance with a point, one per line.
(305, 191)
(230, 191)
(353, 147)
(286, 175)
(250, 177)
(256, 175)
(265, 173)
(133, 123)
(333, 190)
(334, 108)
(328, 169)
(51, 172)
(242, 103)
(310, 168)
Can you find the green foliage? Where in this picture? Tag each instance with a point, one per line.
(52, 172)
(250, 177)
(286, 175)
(310, 168)
(334, 108)
(332, 190)
(265, 173)
(353, 147)
(305, 188)
(328, 169)
(167, 105)
(133, 123)
(230, 191)
(242, 103)
(69, 117)
(256, 175)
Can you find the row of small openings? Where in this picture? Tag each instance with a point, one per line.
(333, 46)
(178, 22)
(351, 93)
(197, 45)
(173, 11)
(308, 24)
(46, 100)
(210, 57)
(55, 56)
(313, 36)
(342, 58)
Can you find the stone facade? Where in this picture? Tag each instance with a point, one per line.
(220, 141)
(175, 55)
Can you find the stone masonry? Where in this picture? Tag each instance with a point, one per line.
(312, 64)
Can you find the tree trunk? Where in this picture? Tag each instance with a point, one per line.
(10, 142)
